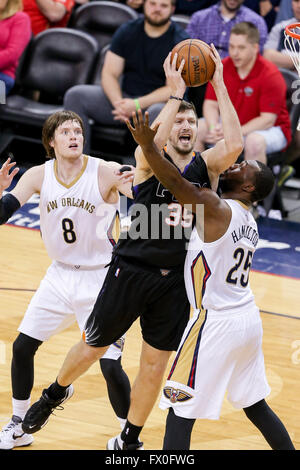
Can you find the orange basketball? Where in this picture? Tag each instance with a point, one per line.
(199, 67)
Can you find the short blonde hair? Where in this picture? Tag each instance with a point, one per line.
(248, 29)
(11, 8)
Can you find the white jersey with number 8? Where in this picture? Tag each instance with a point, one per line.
(77, 226)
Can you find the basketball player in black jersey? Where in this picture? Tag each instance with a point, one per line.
(146, 276)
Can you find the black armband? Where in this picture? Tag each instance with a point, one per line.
(8, 205)
(175, 98)
(125, 168)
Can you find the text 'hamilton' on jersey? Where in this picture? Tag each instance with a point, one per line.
(245, 231)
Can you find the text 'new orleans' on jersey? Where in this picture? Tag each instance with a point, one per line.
(161, 227)
(78, 227)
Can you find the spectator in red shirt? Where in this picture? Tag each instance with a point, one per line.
(15, 33)
(46, 14)
(258, 92)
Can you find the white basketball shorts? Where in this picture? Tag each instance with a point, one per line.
(66, 294)
(218, 352)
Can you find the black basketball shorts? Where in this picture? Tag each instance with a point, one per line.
(157, 296)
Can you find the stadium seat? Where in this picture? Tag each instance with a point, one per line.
(54, 61)
(101, 19)
(277, 160)
(118, 135)
(181, 20)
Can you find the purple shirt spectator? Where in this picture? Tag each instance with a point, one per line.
(209, 26)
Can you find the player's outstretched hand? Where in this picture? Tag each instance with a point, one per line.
(5, 176)
(173, 76)
(141, 131)
(126, 173)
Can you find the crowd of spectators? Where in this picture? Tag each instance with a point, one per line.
(137, 52)
(258, 92)
(132, 75)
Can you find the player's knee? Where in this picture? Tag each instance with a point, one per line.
(90, 354)
(24, 346)
(153, 368)
(255, 144)
(257, 410)
(111, 369)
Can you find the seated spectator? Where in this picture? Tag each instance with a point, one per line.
(15, 33)
(213, 25)
(285, 11)
(137, 52)
(274, 49)
(258, 92)
(266, 8)
(188, 7)
(46, 14)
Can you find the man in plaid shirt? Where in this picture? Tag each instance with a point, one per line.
(213, 25)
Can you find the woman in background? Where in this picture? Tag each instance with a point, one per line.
(15, 33)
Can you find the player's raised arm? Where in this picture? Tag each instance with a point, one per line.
(167, 115)
(184, 191)
(226, 151)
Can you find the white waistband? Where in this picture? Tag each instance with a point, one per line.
(78, 267)
(245, 309)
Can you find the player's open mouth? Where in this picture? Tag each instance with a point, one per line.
(73, 146)
(185, 138)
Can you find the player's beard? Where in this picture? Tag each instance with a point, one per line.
(227, 185)
(157, 23)
(183, 150)
(179, 148)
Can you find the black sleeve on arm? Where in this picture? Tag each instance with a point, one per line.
(8, 205)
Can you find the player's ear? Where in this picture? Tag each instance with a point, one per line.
(51, 143)
(248, 187)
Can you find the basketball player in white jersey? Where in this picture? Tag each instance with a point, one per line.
(79, 211)
(221, 348)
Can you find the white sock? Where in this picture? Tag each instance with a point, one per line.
(122, 422)
(20, 407)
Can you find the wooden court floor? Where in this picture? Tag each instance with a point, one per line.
(88, 421)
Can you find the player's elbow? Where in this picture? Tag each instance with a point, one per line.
(236, 145)
(239, 146)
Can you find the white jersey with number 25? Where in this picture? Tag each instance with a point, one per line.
(217, 273)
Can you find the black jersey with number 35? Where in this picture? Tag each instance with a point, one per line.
(161, 227)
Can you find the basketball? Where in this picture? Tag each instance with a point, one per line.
(199, 67)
